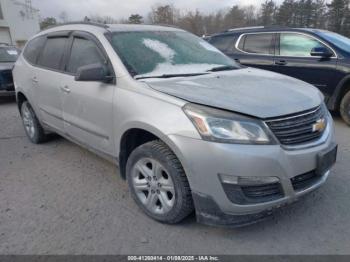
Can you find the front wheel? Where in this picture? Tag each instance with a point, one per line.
(158, 183)
(345, 108)
(32, 127)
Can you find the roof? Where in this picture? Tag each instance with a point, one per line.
(110, 27)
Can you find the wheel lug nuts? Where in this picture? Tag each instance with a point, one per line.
(155, 178)
(158, 192)
(159, 185)
(152, 191)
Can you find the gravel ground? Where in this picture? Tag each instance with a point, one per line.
(58, 198)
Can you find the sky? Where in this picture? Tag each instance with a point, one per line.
(78, 9)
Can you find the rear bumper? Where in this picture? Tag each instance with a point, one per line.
(4, 93)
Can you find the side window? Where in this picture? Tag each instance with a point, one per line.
(52, 54)
(223, 43)
(33, 49)
(297, 45)
(257, 43)
(84, 52)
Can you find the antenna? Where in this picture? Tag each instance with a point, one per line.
(29, 8)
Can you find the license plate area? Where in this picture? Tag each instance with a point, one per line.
(326, 159)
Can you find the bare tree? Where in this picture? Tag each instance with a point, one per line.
(63, 16)
(102, 19)
(193, 22)
(164, 14)
(250, 15)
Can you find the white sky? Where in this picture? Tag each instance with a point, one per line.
(78, 9)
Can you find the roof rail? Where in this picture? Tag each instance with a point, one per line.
(246, 28)
(276, 26)
(105, 26)
(256, 27)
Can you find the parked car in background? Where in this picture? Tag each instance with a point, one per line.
(8, 57)
(319, 57)
(189, 128)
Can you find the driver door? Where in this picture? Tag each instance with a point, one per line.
(294, 59)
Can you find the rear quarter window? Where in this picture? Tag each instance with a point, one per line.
(257, 43)
(223, 43)
(33, 49)
(52, 54)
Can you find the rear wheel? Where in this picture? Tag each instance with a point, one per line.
(158, 183)
(345, 108)
(32, 127)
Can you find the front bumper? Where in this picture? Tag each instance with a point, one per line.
(203, 162)
(7, 89)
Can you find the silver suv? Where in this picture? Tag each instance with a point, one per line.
(188, 127)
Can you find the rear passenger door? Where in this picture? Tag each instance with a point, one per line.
(47, 79)
(256, 50)
(88, 106)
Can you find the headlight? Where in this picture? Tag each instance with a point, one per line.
(226, 127)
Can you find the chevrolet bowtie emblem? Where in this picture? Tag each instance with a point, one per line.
(319, 126)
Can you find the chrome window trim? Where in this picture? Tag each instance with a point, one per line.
(256, 33)
(285, 32)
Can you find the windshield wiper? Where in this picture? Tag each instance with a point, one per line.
(169, 76)
(222, 68)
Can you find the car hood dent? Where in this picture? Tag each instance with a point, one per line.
(248, 91)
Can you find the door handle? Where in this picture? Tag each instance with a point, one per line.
(35, 80)
(65, 89)
(237, 60)
(281, 62)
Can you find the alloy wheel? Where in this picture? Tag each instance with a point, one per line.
(28, 121)
(153, 186)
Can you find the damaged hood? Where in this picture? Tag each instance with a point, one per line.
(249, 91)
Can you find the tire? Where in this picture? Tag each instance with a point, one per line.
(158, 183)
(345, 108)
(34, 131)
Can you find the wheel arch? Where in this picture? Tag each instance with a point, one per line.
(137, 135)
(342, 88)
(20, 98)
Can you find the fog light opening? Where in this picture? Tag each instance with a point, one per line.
(248, 181)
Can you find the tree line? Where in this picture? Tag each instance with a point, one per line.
(333, 15)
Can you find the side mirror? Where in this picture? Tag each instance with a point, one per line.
(94, 72)
(322, 52)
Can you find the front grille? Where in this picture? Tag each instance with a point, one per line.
(253, 194)
(305, 181)
(298, 129)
